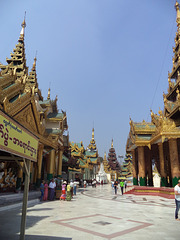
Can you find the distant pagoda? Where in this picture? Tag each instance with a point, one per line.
(92, 146)
(112, 159)
(106, 164)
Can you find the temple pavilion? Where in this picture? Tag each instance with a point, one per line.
(158, 141)
(22, 101)
(88, 159)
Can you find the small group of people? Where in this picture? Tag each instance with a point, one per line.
(68, 190)
(123, 184)
(47, 190)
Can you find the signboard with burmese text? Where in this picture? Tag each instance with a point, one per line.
(17, 140)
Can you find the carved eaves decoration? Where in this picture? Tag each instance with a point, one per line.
(162, 123)
(165, 128)
(76, 148)
(26, 118)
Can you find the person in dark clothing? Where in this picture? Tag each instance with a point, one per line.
(42, 190)
(115, 186)
(125, 185)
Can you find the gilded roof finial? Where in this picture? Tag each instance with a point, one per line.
(112, 144)
(23, 25)
(130, 122)
(104, 155)
(178, 14)
(48, 98)
(34, 64)
(93, 133)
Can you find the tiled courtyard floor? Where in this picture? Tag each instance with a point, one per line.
(96, 214)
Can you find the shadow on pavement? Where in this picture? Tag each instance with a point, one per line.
(33, 237)
(39, 209)
(10, 222)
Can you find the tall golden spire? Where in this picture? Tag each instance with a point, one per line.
(178, 14)
(48, 98)
(17, 62)
(104, 155)
(112, 144)
(92, 145)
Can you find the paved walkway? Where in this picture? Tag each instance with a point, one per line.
(96, 214)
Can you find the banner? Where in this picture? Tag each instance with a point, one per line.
(17, 140)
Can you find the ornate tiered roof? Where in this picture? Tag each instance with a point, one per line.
(127, 166)
(86, 158)
(31, 83)
(21, 98)
(172, 98)
(113, 163)
(17, 62)
(165, 124)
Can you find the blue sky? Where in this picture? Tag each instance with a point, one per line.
(107, 60)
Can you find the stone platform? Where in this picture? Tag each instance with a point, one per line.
(153, 191)
(7, 199)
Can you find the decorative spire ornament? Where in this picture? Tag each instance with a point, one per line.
(178, 14)
(112, 144)
(93, 133)
(48, 98)
(23, 27)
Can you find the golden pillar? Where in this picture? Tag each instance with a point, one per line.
(60, 154)
(141, 166)
(55, 163)
(51, 164)
(39, 164)
(135, 173)
(162, 165)
(174, 161)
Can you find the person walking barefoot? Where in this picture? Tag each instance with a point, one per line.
(42, 190)
(115, 186)
(177, 199)
(45, 191)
